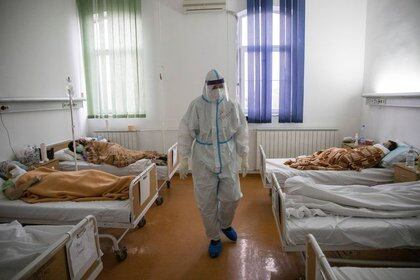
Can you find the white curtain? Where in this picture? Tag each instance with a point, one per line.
(113, 57)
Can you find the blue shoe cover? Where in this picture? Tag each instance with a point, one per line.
(230, 233)
(215, 248)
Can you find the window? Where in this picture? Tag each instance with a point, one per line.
(243, 63)
(112, 53)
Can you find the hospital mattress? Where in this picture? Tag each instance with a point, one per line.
(132, 169)
(66, 212)
(382, 273)
(355, 232)
(367, 177)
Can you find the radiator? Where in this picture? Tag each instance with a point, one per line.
(127, 139)
(286, 143)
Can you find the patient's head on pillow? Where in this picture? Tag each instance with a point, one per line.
(13, 172)
(80, 145)
(391, 145)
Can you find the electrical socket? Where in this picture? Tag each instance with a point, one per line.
(4, 108)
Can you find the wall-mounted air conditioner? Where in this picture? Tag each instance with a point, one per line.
(192, 6)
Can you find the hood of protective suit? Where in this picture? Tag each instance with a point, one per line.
(212, 94)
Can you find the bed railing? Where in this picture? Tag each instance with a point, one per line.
(146, 181)
(282, 210)
(173, 160)
(77, 232)
(92, 269)
(59, 146)
(263, 166)
(317, 266)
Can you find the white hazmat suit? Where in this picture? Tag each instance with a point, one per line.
(218, 129)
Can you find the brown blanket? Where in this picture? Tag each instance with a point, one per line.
(339, 159)
(116, 155)
(83, 185)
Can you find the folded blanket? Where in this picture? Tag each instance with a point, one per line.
(339, 159)
(83, 185)
(114, 154)
(305, 198)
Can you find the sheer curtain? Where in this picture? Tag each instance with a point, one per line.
(112, 51)
(260, 53)
(292, 42)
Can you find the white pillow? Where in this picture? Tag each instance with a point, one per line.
(61, 155)
(70, 153)
(395, 156)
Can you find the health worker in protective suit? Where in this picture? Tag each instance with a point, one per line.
(214, 132)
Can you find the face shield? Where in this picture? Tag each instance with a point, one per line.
(215, 87)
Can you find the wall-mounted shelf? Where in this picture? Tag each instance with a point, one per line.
(403, 99)
(20, 105)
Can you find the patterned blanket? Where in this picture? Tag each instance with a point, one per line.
(339, 159)
(114, 154)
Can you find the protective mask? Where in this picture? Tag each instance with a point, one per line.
(214, 94)
(80, 149)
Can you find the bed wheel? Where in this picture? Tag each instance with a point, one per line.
(159, 200)
(168, 184)
(121, 254)
(142, 223)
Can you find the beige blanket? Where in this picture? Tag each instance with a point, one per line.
(83, 185)
(339, 159)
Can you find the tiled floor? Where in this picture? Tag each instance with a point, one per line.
(173, 245)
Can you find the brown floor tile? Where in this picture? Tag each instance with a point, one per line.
(173, 245)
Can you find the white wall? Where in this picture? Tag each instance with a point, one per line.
(184, 47)
(392, 65)
(39, 48)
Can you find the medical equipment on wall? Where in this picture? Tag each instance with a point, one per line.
(70, 93)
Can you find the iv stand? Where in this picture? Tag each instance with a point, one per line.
(70, 93)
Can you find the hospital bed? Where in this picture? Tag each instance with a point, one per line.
(164, 173)
(319, 267)
(342, 233)
(367, 177)
(127, 214)
(50, 252)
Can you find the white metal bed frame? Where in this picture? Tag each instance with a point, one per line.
(279, 211)
(172, 166)
(65, 240)
(263, 170)
(137, 212)
(318, 266)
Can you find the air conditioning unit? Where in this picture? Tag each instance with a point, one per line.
(193, 6)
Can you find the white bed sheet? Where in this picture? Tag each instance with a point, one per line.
(306, 198)
(132, 169)
(66, 212)
(349, 231)
(367, 177)
(19, 246)
(382, 273)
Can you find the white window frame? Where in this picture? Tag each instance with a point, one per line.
(241, 50)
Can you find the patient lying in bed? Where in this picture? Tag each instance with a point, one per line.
(99, 152)
(46, 185)
(344, 159)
